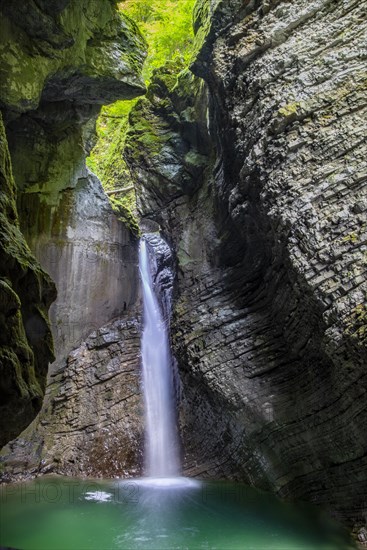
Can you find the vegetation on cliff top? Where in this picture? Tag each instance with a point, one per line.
(167, 28)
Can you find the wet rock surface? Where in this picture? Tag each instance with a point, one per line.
(91, 423)
(270, 313)
(90, 255)
(166, 143)
(162, 269)
(257, 180)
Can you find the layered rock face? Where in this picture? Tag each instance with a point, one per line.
(61, 61)
(270, 316)
(166, 146)
(265, 208)
(91, 420)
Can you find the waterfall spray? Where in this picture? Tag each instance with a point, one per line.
(161, 452)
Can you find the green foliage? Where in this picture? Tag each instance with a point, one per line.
(167, 27)
(106, 159)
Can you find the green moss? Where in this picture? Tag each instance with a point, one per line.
(7, 185)
(26, 292)
(122, 208)
(108, 163)
(18, 382)
(195, 159)
(351, 238)
(165, 79)
(357, 324)
(355, 236)
(27, 64)
(106, 159)
(147, 134)
(290, 109)
(167, 27)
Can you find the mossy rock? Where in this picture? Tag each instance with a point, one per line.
(357, 325)
(26, 292)
(87, 52)
(122, 208)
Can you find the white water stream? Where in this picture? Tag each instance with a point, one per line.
(161, 452)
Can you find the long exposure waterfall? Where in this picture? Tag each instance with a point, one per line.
(161, 453)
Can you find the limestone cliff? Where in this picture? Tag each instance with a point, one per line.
(61, 60)
(92, 419)
(270, 237)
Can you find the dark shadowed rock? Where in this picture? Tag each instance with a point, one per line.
(166, 142)
(26, 293)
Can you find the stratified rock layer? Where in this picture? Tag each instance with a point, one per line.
(91, 420)
(166, 143)
(270, 317)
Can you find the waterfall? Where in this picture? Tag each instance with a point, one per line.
(161, 453)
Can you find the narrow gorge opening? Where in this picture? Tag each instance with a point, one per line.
(167, 27)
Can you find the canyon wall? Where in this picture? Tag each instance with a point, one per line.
(269, 232)
(61, 61)
(91, 421)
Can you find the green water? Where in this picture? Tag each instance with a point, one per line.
(56, 513)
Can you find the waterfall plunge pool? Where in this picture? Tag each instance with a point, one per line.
(57, 513)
